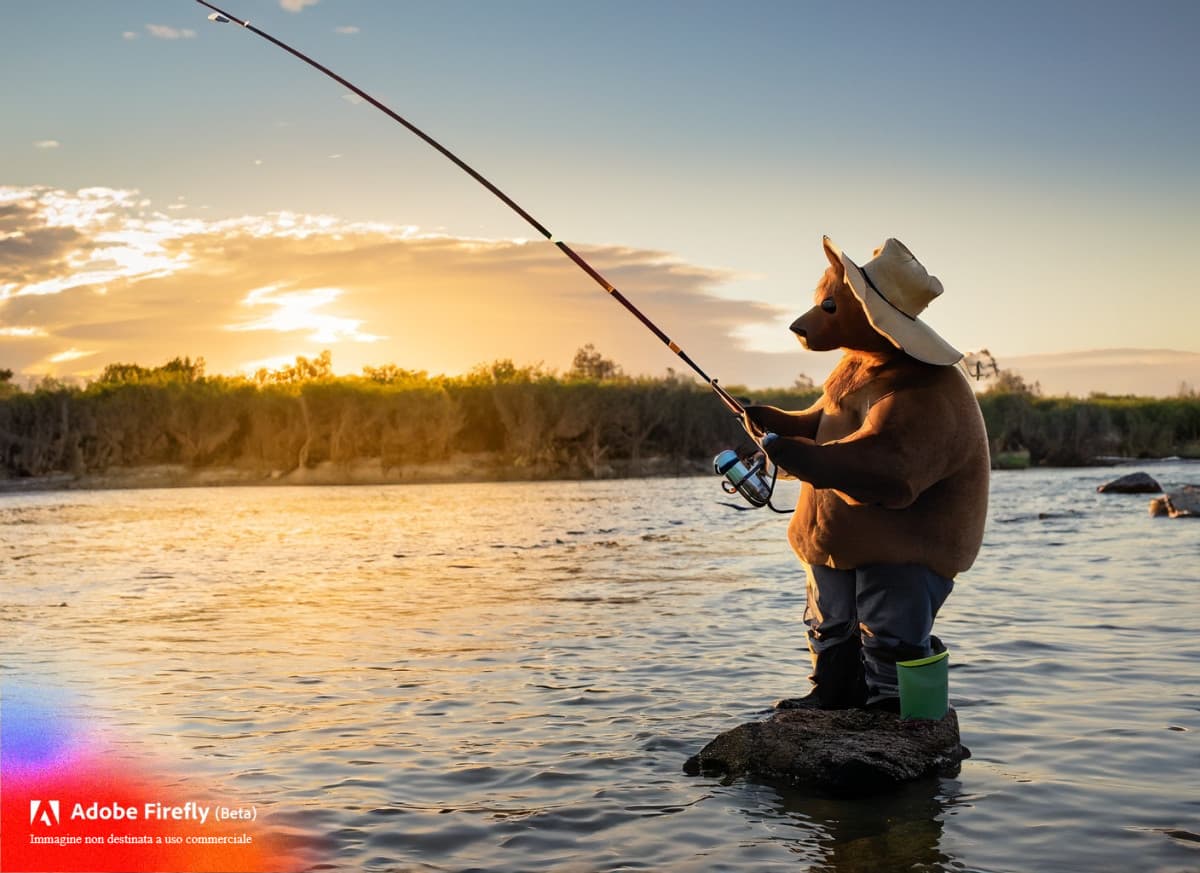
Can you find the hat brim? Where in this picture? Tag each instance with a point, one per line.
(912, 335)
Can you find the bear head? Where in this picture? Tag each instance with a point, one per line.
(838, 319)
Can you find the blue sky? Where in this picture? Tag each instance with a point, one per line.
(1038, 157)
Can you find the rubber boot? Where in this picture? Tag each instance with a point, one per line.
(838, 676)
(838, 679)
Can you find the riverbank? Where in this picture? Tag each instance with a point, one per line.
(476, 468)
(465, 468)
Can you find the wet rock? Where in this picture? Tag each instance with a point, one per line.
(1183, 502)
(1134, 483)
(848, 752)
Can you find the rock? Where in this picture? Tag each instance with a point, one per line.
(1134, 483)
(1184, 502)
(849, 752)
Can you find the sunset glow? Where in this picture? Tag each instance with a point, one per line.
(429, 301)
(295, 312)
(691, 173)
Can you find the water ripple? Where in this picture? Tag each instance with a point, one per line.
(518, 688)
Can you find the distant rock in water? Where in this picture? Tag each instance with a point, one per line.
(849, 752)
(1181, 503)
(1134, 483)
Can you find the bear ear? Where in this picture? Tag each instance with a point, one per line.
(835, 258)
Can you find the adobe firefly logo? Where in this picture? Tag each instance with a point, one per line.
(44, 811)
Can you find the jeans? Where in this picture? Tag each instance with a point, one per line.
(862, 621)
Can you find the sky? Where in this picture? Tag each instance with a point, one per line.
(170, 186)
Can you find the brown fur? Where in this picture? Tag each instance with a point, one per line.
(853, 373)
(893, 455)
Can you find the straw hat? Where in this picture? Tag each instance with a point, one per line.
(894, 289)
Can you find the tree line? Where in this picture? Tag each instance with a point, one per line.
(1069, 432)
(526, 422)
(592, 421)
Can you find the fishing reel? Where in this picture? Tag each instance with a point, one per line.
(751, 475)
(745, 475)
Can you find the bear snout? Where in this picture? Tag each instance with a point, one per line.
(797, 327)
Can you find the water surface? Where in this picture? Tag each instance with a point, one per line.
(510, 676)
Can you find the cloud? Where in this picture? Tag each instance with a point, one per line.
(351, 97)
(70, 355)
(46, 144)
(105, 271)
(296, 312)
(297, 5)
(163, 31)
(21, 331)
(53, 240)
(346, 29)
(129, 34)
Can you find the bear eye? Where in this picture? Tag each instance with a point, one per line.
(829, 304)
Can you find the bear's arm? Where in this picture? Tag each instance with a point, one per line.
(908, 442)
(786, 424)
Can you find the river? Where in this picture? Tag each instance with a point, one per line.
(510, 676)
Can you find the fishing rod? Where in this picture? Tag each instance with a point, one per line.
(221, 16)
(749, 474)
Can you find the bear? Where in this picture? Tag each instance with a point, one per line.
(894, 464)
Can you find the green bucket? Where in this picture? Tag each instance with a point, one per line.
(924, 686)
